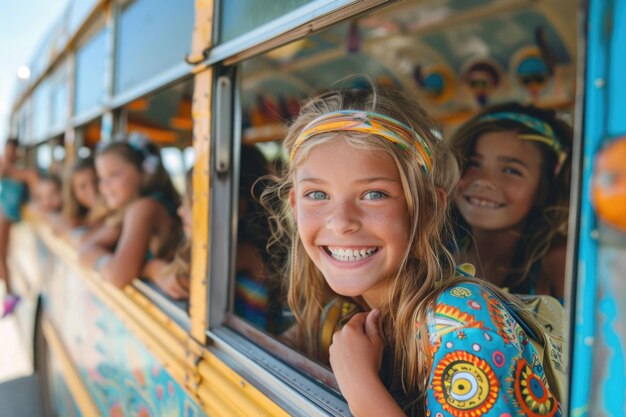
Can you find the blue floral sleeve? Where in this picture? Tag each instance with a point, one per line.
(482, 361)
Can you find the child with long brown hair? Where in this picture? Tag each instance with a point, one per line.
(364, 215)
(80, 193)
(172, 276)
(80, 201)
(513, 197)
(142, 221)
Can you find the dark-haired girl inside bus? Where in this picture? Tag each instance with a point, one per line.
(513, 197)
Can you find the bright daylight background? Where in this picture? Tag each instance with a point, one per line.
(23, 24)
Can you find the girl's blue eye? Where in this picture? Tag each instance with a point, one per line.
(513, 171)
(374, 195)
(317, 195)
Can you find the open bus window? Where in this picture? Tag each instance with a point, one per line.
(508, 54)
(165, 119)
(258, 286)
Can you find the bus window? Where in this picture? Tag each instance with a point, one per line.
(189, 157)
(241, 16)
(173, 162)
(58, 156)
(59, 98)
(90, 70)
(44, 157)
(506, 54)
(41, 111)
(84, 152)
(141, 22)
(88, 135)
(165, 119)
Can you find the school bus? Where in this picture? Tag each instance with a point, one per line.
(204, 78)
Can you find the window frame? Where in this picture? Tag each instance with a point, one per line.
(252, 353)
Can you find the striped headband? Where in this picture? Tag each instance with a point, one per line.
(545, 132)
(368, 122)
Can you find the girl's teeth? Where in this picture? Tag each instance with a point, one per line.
(483, 203)
(350, 255)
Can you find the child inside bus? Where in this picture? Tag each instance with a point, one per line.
(252, 289)
(142, 200)
(80, 200)
(513, 197)
(47, 198)
(365, 218)
(173, 277)
(80, 192)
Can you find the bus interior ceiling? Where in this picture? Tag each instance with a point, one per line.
(164, 116)
(456, 57)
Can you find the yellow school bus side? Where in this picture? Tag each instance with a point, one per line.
(218, 389)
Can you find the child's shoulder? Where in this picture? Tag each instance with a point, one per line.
(467, 305)
(143, 206)
(461, 294)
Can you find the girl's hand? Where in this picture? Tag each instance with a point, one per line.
(355, 356)
(165, 278)
(160, 272)
(172, 286)
(357, 347)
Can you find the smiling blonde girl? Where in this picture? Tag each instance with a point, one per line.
(364, 216)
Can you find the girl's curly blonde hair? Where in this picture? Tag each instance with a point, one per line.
(428, 265)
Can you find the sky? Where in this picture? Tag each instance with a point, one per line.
(22, 27)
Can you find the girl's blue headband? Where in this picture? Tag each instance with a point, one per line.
(545, 133)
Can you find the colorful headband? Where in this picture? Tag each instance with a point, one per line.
(368, 122)
(546, 133)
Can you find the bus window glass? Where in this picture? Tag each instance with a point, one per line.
(44, 157)
(23, 126)
(58, 153)
(189, 157)
(90, 73)
(153, 36)
(88, 135)
(173, 162)
(165, 119)
(241, 16)
(59, 105)
(77, 11)
(41, 110)
(84, 152)
(454, 72)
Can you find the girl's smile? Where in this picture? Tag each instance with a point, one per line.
(85, 186)
(350, 255)
(501, 181)
(352, 217)
(482, 202)
(119, 180)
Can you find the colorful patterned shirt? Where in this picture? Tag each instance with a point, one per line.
(483, 361)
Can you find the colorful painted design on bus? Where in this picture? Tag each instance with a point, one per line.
(123, 377)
